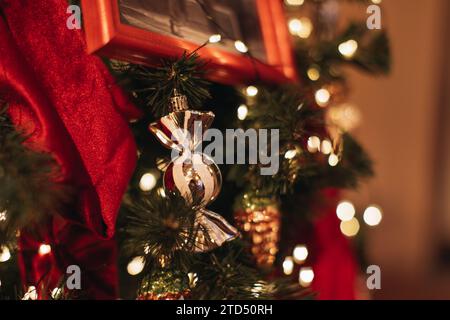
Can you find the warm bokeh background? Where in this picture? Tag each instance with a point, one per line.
(406, 129)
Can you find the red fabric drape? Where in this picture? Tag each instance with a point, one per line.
(335, 267)
(70, 105)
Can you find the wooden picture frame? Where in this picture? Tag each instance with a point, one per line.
(108, 36)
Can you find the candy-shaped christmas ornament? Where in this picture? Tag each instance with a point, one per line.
(191, 173)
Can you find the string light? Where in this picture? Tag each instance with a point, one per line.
(147, 182)
(193, 278)
(240, 46)
(242, 112)
(373, 216)
(135, 266)
(300, 253)
(326, 147)
(350, 228)
(161, 192)
(294, 26)
(313, 73)
(322, 97)
(31, 294)
(333, 160)
(56, 293)
(257, 289)
(147, 249)
(306, 28)
(345, 211)
(3, 216)
(5, 254)
(313, 144)
(376, 1)
(290, 154)
(251, 91)
(300, 27)
(294, 2)
(215, 38)
(288, 266)
(348, 48)
(44, 249)
(306, 276)
(346, 116)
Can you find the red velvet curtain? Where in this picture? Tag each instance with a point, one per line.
(68, 102)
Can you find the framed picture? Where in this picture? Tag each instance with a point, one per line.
(144, 31)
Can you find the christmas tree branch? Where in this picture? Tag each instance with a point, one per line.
(28, 193)
(154, 86)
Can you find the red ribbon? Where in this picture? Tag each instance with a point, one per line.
(69, 103)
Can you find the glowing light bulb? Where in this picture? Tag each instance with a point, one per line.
(322, 97)
(3, 216)
(373, 216)
(242, 112)
(136, 265)
(294, 26)
(294, 2)
(333, 160)
(350, 228)
(161, 192)
(313, 144)
(288, 266)
(290, 154)
(376, 1)
(147, 182)
(306, 276)
(193, 278)
(348, 48)
(5, 254)
(257, 289)
(215, 38)
(251, 91)
(31, 294)
(345, 211)
(300, 253)
(345, 116)
(56, 293)
(240, 46)
(313, 74)
(306, 28)
(300, 27)
(44, 249)
(326, 147)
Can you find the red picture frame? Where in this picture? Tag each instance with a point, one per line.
(107, 36)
